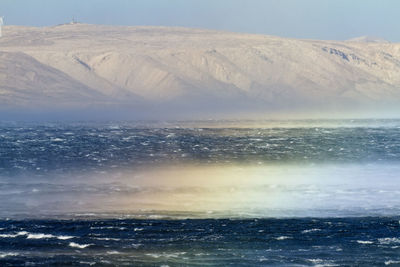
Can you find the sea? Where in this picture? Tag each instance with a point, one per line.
(201, 193)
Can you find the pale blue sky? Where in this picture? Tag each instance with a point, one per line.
(316, 19)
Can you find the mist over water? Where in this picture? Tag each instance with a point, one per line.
(270, 169)
(211, 192)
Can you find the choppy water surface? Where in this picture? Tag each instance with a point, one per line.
(285, 193)
(222, 242)
(40, 149)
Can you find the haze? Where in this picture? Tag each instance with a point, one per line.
(315, 19)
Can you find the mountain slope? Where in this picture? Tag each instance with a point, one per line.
(194, 69)
(24, 81)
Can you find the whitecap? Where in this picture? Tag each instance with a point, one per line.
(113, 252)
(65, 237)
(316, 260)
(90, 263)
(365, 242)
(320, 262)
(57, 140)
(106, 238)
(39, 236)
(76, 245)
(391, 262)
(282, 237)
(45, 236)
(165, 255)
(8, 235)
(107, 227)
(153, 255)
(13, 235)
(22, 233)
(389, 240)
(8, 254)
(310, 230)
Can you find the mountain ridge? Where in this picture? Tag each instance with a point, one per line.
(185, 70)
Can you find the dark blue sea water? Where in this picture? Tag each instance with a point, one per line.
(369, 241)
(310, 193)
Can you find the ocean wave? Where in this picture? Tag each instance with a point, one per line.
(8, 254)
(165, 255)
(106, 238)
(389, 240)
(90, 263)
(39, 236)
(65, 237)
(107, 227)
(365, 242)
(321, 262)
(47, 236)
(113, 252)
(391, 262)
(35, 235)
(76, 245)
(283, 237)
(310, 231)
(13, 235)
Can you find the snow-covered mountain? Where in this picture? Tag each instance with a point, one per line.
(193, 71)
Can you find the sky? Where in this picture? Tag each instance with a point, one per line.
(311, 19)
